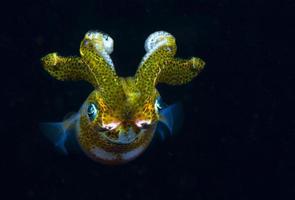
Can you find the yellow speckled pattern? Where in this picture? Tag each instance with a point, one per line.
(115, 134)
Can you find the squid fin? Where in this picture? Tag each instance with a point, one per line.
(170, 121)
(60, 133)
(57, 134)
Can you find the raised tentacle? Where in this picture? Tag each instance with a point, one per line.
(95, 49)
(94, 65)
(160, 66)
(160, 47)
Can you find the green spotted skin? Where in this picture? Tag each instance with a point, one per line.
(122, 103)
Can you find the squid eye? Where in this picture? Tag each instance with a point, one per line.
(159, 104)
(92, 111)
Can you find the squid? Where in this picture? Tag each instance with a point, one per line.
(122, 115)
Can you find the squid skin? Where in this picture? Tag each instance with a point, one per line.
(118, 120)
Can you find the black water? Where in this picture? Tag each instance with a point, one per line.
(237, 141)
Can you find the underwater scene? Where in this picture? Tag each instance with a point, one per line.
(147, 99)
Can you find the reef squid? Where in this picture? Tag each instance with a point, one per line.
(121, 116)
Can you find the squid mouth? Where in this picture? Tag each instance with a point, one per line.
(124, 138)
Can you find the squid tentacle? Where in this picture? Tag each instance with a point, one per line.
(94, 65)
(160, 66)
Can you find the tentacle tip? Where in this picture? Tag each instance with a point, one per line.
(50, 59)
(101, 40)
(92, 35)
(198, 64)
(157, 39)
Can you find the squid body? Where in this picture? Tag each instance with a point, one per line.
(118, 120)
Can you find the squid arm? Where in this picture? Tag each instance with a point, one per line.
(94, 65)
(160, 66)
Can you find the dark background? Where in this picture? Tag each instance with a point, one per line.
(238, 136)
